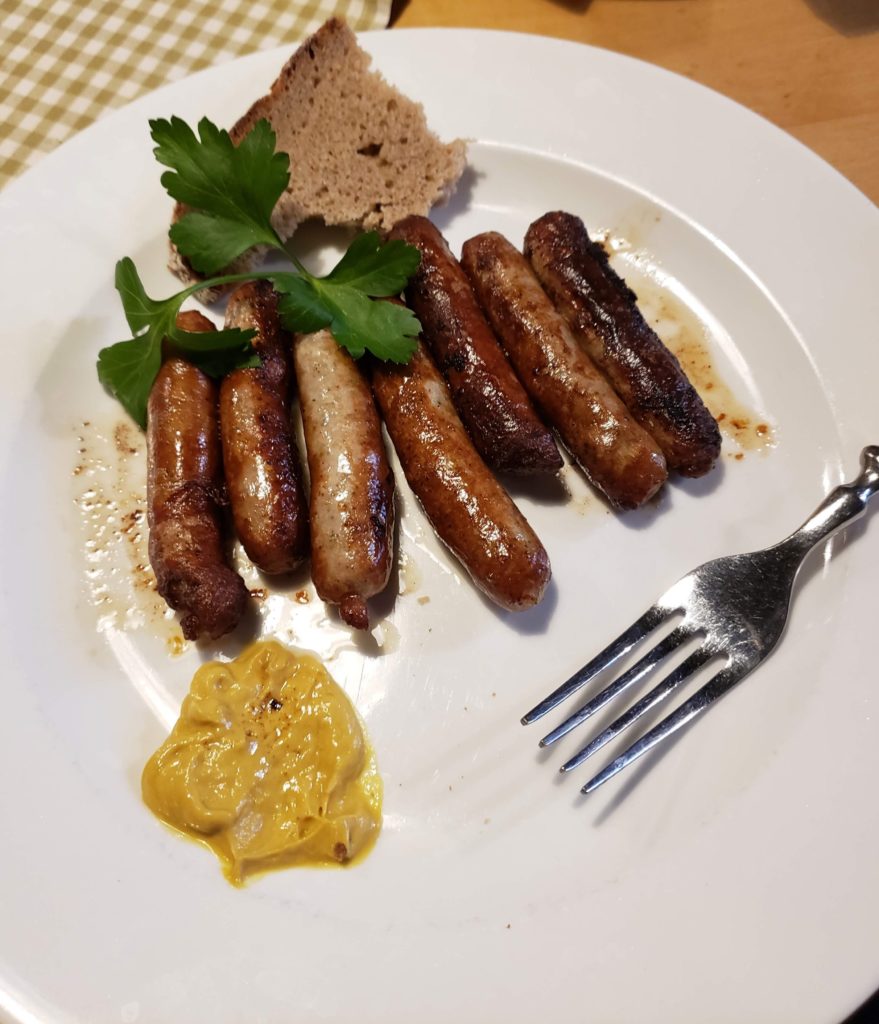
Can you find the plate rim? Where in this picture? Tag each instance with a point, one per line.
(46, 164)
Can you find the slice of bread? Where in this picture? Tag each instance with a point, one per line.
(361, 153)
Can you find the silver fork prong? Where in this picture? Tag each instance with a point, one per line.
(658, 694)
(613, 652)
(739, 603)
(637, 672)
(716, 687)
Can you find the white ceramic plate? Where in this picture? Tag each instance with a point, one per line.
(731, 879)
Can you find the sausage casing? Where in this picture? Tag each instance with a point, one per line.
(617, 454)
(352, 485)
(490, 399)
(470, 511)
(261, 462)
(184, 483)
(602, 312)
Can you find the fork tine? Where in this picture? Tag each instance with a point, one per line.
(636, 672)
(659, 692)
(702, 699)
(613, 652)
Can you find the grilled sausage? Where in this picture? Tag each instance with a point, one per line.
(602, 312)
(617, 454)
(469, 509)
(263, 474)
(184, 484)
(490, 400)
(352, 486)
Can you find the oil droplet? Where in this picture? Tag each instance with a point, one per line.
(176, 644)
(387, 637)
(109, 474)
(409, 576)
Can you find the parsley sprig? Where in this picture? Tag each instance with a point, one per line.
(231, 192)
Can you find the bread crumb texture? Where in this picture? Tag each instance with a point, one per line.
(361, 153)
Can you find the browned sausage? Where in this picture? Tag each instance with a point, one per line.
(469, 509)
(602, 312)
(617, 454)
(490, 400)
(183, 486)
(352, 486)
(263, 474)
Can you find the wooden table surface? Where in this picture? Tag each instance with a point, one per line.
(809, 66)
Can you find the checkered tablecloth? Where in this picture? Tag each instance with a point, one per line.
(67, 62)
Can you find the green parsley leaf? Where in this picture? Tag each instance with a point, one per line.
(233, 188)
(216, 353)
(358, 323)
(341, 301)
(128, 368)
(375, 267)
(140, 310)
(393, 330)
(300, 307)
(211, 242)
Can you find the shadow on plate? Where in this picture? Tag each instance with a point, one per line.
(532, 622)
(460, 203)
(543, 489)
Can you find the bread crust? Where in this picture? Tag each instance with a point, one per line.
(361, 153)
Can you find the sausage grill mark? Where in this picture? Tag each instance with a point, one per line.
(470, 511)
(486, 392)
(619, 457)
(352, 486)
(186, 544)
(601, 312)
(261, 461)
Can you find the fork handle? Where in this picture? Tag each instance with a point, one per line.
(843, 505)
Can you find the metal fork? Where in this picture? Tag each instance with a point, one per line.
(738, 604)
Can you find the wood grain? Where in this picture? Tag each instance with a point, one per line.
(809, 66)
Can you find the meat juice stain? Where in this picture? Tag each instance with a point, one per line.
(689, 339)
(109, 471)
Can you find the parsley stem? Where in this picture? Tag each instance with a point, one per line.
(213, 282)
(288, 252)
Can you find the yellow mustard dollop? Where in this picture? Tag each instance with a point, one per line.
(268, 765)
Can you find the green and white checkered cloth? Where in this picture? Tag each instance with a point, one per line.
(67, 62)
